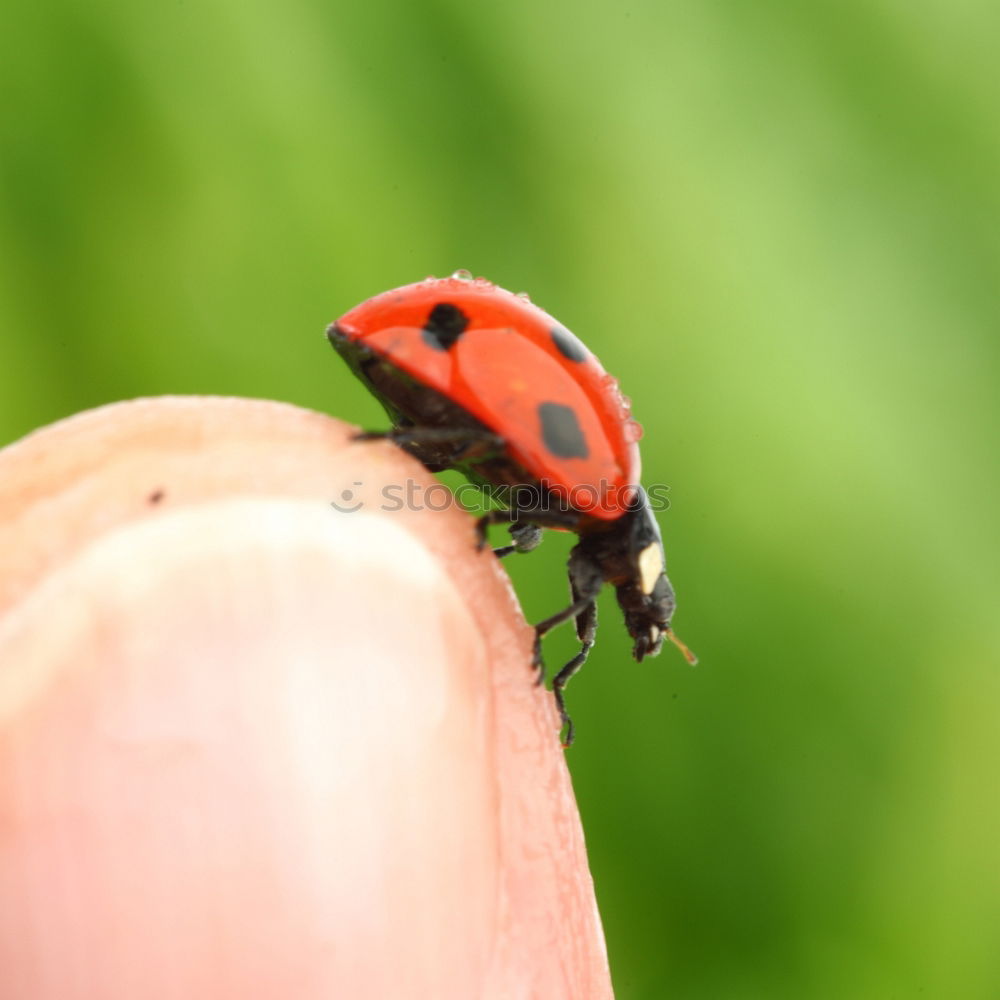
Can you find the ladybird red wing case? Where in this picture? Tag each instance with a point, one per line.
(522, 374)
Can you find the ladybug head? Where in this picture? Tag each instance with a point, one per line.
(647, 616)
(630, 556)
(645, 595)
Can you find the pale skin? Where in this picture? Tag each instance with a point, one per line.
(254, 747)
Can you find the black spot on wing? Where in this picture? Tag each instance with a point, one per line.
(444, 326)
(561, 431)
(569, 346)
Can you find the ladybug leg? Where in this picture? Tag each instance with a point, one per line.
(471, 437)
(497, 516)
(527, 520)
(543, 628)
(526, 537)
(585, 580)
(439, 448)
(586, 629)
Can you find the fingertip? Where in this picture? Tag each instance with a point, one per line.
(342, 701)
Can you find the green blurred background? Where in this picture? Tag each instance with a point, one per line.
(778, 224)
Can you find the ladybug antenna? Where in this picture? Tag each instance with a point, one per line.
(688, 655)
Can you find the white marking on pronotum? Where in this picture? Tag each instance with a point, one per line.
(650, 567)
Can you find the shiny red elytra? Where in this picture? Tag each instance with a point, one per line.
(478, 379)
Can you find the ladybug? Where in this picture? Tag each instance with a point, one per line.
(478, 379)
